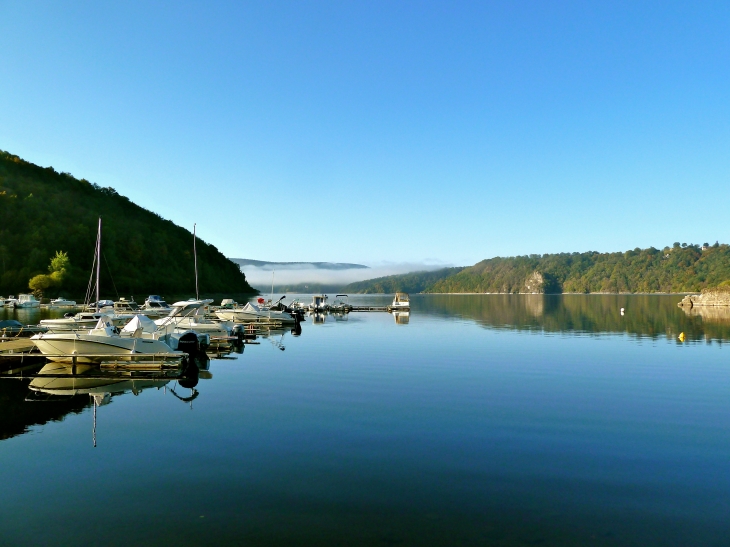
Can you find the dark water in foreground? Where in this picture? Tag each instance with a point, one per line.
(486, 420)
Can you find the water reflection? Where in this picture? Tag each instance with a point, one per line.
(650, 316)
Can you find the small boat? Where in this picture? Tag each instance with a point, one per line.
(100, 304)
(341, 305)
(228, 304)
(251, 313)
(27, 301)
(319, 303)
(9, 302)
(83, 321)
(155, 307)
(62, 302)
(190, 316)
(125, 306)
(401, 302)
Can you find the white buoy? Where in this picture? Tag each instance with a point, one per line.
(622, 311)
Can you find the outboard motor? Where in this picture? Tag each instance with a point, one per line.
(189, 343)
(238, 331)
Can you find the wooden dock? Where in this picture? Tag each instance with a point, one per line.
(15, 345)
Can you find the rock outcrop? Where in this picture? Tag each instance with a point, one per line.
(718, 296)
(535, 283)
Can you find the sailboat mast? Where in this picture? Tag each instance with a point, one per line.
(195, 255)
(98, 262)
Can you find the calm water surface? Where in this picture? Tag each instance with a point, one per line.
(485, 420)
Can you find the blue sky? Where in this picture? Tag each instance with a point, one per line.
(385, 131)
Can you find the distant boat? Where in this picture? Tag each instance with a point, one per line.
(401, 302)
(319, 303)
(341, 304)
(58, 302)
(155, 308)
(126, 306)
(94, 306)
(10, 302)
(27, 301)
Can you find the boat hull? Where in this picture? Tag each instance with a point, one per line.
(90, 348)
(238, 316)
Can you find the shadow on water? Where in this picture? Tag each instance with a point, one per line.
(651, 316)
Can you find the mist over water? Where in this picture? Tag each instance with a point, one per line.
(260, 278)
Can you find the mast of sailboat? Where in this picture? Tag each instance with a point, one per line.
(98, 262)
(195, 255)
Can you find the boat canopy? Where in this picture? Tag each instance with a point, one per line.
(251, 307)
(140, 322)
(10, 324)
(401, 297)
(104, 323)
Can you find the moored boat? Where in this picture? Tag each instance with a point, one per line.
(27, 301)
(62, 302)
(251, 313)
(140, 338)
(400, 302)
(83, 321)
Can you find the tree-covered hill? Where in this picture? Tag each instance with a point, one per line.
(43, 211)
(680, 268)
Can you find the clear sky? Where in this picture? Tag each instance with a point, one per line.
(385, 131)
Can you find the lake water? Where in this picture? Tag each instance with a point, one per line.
(483, 420)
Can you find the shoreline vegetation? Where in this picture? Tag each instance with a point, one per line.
(680, 269)
(45, 213)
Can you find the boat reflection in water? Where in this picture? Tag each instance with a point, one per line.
(401, 317)
(61, 381)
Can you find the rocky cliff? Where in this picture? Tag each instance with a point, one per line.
(718, 296)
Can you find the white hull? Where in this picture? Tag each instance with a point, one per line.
(238, 316)
(92, 348)
(62, 303)
(28, 305)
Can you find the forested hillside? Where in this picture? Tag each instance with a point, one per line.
(43, 211)
(680, 268)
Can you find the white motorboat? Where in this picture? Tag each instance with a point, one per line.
(401, 302)
(190, 315)
(251, 313)
(140, 338)
(126, 306)
(341, 304)
(319, 303)
(155, 306)
(62, 302)
(100, 305)
(84, 321)
(10, 302)
(27, 301)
